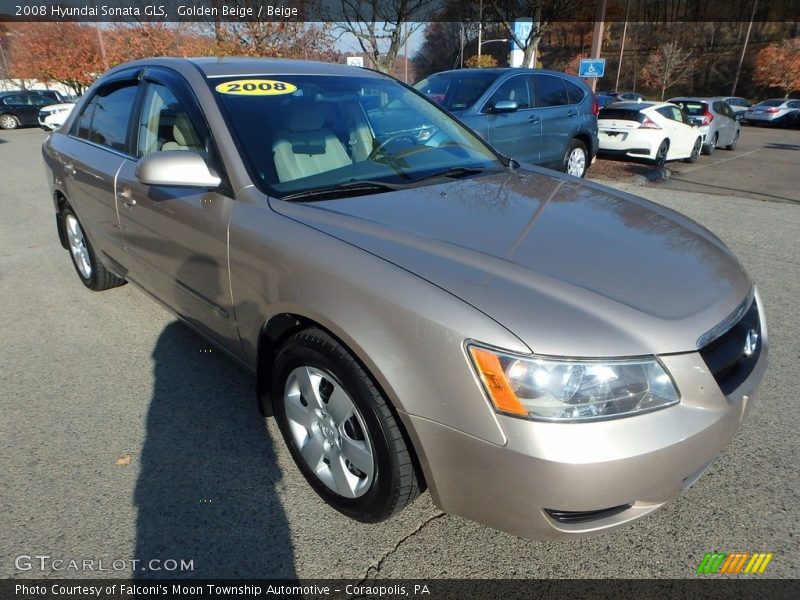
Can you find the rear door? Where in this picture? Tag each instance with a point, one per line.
(682, 134)
(559, 117)
(92, 153)
(176, 236)
(516, 134)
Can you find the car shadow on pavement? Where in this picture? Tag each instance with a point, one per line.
(777, 146)
(206, 491)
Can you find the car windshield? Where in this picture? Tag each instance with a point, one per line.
(456, 90)
(307, 135)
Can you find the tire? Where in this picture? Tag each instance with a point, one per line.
(732, 145)
(695, 151)
(91, 271)
(661, 154)
(576, 159)
(8, 122)
(346, 421)
(708, 149)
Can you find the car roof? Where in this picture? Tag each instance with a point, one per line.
(224, 66)
(690, 99)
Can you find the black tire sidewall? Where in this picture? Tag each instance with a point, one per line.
(658, 161)
(310, 350)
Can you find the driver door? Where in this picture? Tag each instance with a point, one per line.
(176, 236)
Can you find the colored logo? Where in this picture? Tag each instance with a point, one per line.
(754, 563)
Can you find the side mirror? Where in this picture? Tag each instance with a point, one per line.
(505, 106)
(176, 168)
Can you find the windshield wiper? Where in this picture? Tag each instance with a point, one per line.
(343, 189)
(458, 172)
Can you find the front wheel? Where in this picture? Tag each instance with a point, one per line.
(576, 159)
(695, 151)
(8, 122)
(340, 430)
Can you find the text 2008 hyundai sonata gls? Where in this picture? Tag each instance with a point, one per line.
(548, 356)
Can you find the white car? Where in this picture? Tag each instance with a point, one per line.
(52, 117)
(657, 131)
(776, 111)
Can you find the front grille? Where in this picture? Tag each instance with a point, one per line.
(569, 517)
(725, 356)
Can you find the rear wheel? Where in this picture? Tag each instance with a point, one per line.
(732, 145)
(695, 151)
(708, 149)
(92, 272)
(661, 154)
(8, 122)
(340, 430)
(576, 159)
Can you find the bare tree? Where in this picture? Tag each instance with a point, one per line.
(382, 27)
(668, 66)
(542, 12)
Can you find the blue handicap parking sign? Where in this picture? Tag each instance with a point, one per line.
(592, 67)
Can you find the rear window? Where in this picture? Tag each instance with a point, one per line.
(693, 109)
(620, 114)
(771, 103)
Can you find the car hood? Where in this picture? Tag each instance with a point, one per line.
(570, 267)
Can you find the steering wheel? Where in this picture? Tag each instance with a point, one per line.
(392, 138)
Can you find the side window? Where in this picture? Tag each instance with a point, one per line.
(574, 92)
(667, 111)
(17, 100)
(550, 90)
(165, 125)
(85, 120)
(516, 89)
(39, 100)
(112, 115)
(105, 118)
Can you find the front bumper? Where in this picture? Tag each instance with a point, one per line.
(619, 469)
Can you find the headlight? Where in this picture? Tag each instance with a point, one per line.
(572, 390)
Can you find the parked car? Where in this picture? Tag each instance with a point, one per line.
(738, 104)
(53, 95)
(716, 120)
(549, 356)
(52, 117)
(624, 96)
(532, 115)
(777, 111)
(21, 108)
(657, 131)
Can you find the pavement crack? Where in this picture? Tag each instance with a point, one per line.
(375, 568)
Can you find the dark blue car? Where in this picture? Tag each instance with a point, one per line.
(533, 115)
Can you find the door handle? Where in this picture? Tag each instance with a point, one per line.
(126, 197)
(572, 113)
(533, 119)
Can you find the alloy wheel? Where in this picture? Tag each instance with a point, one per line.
(329, 431)
(77, 247)
(8, 122)
(576, 163)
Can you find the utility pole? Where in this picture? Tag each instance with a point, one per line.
(597, 35)
(622, 45)
(744, 49)
(480, 29)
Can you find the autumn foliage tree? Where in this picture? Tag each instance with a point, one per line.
(778, 65)
(668, 66)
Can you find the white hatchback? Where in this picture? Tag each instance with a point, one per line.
(657, 131)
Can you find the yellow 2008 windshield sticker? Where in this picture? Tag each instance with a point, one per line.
(256, 87)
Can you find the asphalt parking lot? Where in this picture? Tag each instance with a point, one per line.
(123, 438)
(760, 167)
